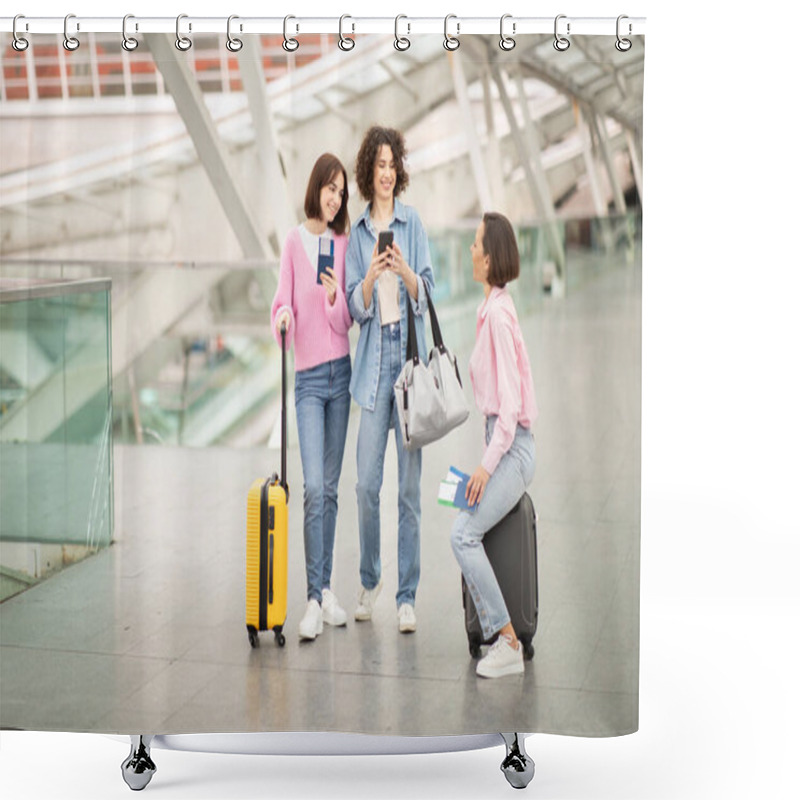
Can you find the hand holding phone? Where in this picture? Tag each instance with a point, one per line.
(385, 240)
(325, 257)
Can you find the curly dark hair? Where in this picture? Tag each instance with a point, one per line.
(368, 152)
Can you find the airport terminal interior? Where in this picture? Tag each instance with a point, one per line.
(143, 204)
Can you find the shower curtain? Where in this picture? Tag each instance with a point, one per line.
(147, 196)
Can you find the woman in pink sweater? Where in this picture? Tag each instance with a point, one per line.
(310, 302)
(503, 387)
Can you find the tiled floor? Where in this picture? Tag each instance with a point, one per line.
(149, 635)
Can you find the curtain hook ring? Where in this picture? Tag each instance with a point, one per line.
(507, 42)
(451, 43)
(401, 43)
(289, 45)
(129, 43)
(183, 43)
(345, 42)
(233, 44)
(70, 42)
(19, 43)
(561, 43)
(623, 45)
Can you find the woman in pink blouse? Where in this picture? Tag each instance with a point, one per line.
(503, 389)
(314, 311)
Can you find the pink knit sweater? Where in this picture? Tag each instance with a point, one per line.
(317, 328)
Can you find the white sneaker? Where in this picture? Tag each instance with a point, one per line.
(332, 612)
(311, 625)
(366, 602)
(502, 659)
(406, 618)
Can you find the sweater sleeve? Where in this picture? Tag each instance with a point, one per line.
(509, 389)
(284, 296)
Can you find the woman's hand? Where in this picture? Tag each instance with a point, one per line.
(376, 266)
(476, 485)
(284, 320)
(399, 266)
(330, 283)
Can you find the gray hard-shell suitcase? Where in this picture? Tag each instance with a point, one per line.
(511, 548)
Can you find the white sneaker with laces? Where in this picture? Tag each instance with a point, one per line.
(332, 612)
(311, 625)
(406, 618)
(366, 602)
(502, 659)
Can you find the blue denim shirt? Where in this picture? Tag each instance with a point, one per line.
(413, 242)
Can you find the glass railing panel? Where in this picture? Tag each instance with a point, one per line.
(55, 426)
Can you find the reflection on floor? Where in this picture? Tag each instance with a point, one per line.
(149, 635)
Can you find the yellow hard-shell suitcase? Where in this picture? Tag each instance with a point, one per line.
(267, 542)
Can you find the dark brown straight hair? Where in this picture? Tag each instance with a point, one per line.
(500, 244)
(324, 172)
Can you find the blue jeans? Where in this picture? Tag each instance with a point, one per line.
(322, 401)
(373, 434)
(504, 489)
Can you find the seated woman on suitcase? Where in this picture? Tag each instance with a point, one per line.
(503, 389)
(310, 302)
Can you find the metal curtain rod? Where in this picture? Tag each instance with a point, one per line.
(408, 26)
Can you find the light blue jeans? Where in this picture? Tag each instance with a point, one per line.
(322, 401)
(504, 489)
(373, 434)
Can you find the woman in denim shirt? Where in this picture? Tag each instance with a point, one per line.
(377, 287)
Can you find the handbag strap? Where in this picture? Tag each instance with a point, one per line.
(412, 346)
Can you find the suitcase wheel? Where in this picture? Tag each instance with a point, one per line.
(280, 638)
(527, 648)
(474, 646)
(252, 635)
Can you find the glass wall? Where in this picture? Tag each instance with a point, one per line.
(206, 372)
(55, 426)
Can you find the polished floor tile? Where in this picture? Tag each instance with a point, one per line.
(149, 635)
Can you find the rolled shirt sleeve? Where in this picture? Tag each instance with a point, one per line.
(509, 390)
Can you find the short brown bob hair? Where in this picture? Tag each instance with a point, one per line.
(368, 154)
(500, 244)
(324, 172)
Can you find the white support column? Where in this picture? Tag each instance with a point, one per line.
(598, 123)
(211, 150)
(540, 198)
(62, 72)
(619, 199)
(93, 66)
(475, 155)
(275, 183)
(534, 143)
(496, 183)
(127, 80)
(585, 135)
(30, 73)
(636, 163)
(224, 67)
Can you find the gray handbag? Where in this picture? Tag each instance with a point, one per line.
(430, 399)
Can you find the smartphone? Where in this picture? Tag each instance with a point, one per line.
(385, 239)
(325, 257)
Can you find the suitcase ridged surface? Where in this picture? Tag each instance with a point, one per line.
(257, 587)
(253, 560)
(511, 549)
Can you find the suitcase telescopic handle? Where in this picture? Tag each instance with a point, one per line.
(283, 407)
